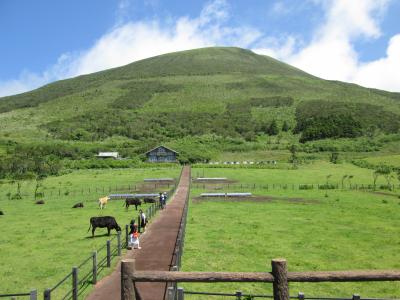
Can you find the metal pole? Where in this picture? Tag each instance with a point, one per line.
(33, 295)
(126, 235)
(94, 269)
(108, 253)
(47, 294)
(119, 242)
(180, 293)
(75, 283)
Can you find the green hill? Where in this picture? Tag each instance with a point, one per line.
(219, 97)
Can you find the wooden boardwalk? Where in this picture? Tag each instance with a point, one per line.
(157, 244)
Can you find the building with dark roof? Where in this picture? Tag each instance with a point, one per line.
(161, 154)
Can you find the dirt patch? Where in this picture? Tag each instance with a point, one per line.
(385, 194)
(256, 199)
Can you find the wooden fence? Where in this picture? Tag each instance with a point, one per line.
(279, 277)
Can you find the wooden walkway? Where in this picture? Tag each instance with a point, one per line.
(157, 244)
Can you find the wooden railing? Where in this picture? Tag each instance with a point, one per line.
(279, 277)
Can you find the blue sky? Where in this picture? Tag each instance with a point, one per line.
(350, 40)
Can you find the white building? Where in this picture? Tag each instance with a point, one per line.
(114, 155)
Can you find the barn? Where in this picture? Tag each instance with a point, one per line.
(161, 154)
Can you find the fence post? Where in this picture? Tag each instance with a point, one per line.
(126, 235)
(238, 295)
(108, 253)
(279, 271)
(300, 296)
(33, 295)
(170, 293)
(119, 242)
(47, 294)
(75, 283)
(94, 269)
(356, 297)
(127, 284)
(180, 294)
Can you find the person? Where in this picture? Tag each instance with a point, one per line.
(134, 241)
(161, 200)
(132, 226)
(165, 198)
(143, 220)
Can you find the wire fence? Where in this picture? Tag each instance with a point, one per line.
(75, 283)
(285, 186)
(85, 274)
(93, 191)
(181, 294)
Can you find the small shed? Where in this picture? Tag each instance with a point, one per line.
(114, 155)
(161, 154)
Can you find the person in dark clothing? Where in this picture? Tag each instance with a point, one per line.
(161, 199)
(132, 227)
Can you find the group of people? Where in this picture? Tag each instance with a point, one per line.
(134, 229)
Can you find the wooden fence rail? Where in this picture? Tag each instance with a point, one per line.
(279, 277)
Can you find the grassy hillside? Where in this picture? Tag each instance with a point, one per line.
(209, 99)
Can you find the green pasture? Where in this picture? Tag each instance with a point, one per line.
(314, 172)
(314, 230)
(390, 160)
(40, 244)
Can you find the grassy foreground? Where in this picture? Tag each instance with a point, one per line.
(40, 244)
(340, 230)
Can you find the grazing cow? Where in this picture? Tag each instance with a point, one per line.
(39, 202)
(1, 213)
(78, 205)
(132, 201)
(107, 221)
(149, 200)
(103, 201)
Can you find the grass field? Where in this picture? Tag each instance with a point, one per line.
(338, 230)
(41, 243)
(390, 160)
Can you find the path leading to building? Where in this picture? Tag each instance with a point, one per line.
(158, 244)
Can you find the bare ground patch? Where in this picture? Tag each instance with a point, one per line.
(384, 194)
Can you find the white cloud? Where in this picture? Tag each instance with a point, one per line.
(133, 41)
(331, 53)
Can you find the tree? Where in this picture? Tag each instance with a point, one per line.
(350, 177)
(385, 171)
(343, 178)
(273, 128)
(334, 157)
(285, 126)
(293, 154)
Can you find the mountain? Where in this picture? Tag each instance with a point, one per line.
(220, 92)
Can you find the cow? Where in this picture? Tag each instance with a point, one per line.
(132, 201)
(103, 201)
(149, 200)
(102, 222)
(39, 202)
(78, 205)
(1, 213)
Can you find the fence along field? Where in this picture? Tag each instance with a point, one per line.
(34, 237)
(322, 230)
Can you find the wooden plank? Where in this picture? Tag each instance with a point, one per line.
(164, 276)
(335, 276)
(341, 276)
